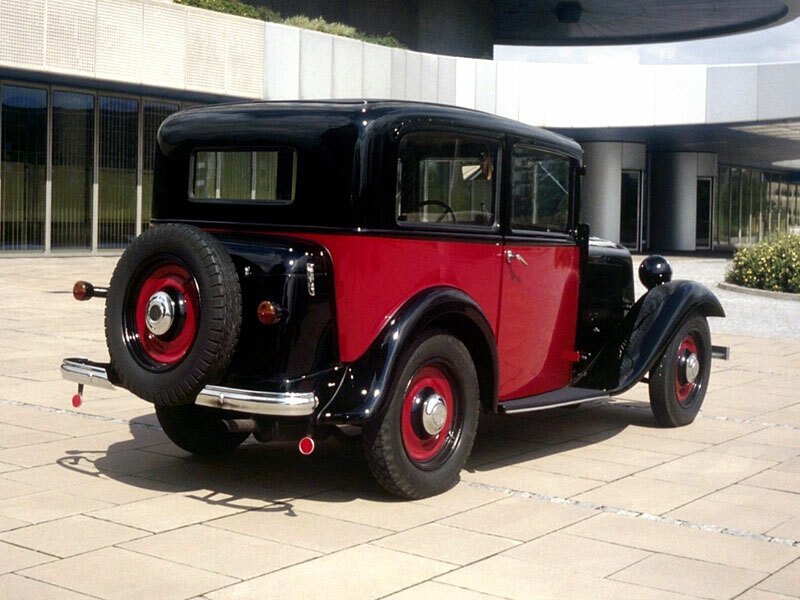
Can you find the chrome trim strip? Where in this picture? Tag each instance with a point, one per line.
(514, 411)
(259, 403)
(83, 373)
(277, 404)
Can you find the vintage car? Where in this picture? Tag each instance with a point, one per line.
(384, 269)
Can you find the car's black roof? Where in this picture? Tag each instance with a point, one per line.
(243, 123)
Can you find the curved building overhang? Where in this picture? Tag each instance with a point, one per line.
(595, 22)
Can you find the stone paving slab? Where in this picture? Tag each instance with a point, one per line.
(596, 502)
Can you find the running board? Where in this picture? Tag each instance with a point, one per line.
(555, 399)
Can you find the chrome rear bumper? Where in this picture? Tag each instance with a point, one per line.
(277, 404)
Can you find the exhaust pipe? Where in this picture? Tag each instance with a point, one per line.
(239, 425)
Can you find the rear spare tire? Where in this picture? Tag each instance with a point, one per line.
(173, 314)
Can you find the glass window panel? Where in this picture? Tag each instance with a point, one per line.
(540, 190)
(723, 206)
(119, 135)
(736, 205)
(153, 114)
(24, 172)
(702, 227)
(629, 209)
(445, 180)
(73, 166)
(266, 176)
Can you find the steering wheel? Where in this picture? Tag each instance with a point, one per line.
(447, 209)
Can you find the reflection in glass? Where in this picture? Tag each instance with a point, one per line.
(119, 133)
(629, 209)
(540, 190)
(24, 174)
(153, 114)
(262, 175)
(73, 151)
(703, 224)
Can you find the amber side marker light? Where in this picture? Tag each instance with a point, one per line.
(269, 313)
(83, 290)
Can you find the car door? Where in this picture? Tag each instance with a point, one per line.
(540, 275)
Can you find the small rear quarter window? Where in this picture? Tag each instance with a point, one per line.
(261, 176)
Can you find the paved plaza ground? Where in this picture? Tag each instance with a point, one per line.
(591, 503)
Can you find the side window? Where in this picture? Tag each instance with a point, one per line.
(266, 176)
(540, 190)
(446, 180)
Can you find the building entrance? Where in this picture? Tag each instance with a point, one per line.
(630, 210)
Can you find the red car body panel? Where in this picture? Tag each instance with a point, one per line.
(404, 267)
(538, 320)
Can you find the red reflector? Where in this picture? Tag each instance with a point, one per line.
(77, 400)
(306, 446)
(269, 313)
(82, 290)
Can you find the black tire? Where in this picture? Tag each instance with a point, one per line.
(404, 458)
(675, 399)
(198, 429)
(197, 274)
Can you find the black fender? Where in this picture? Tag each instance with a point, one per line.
(644, 334)
(366, 386)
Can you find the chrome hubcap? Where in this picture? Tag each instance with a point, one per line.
(160, 313)
(434, 414)
(692, 368)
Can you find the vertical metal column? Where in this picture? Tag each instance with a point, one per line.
(48, 186)
(96, 176)
(139, 164)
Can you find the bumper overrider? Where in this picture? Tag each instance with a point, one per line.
(278, 404)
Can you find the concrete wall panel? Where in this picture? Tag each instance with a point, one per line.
(164, 45)
(398, 73)
(732, 94)
(680, 95)
(119, 39)
(377, 71)
(706, 164)
(413, 76)
(429, 78)
(281, 62)
(777, 91)
(206, 45)
(71, 35)
(465, 83)
(634, 156)
(316, 65)
(447, 80)
(508, 90)
(348, 68)
(244, 52)
(22, 33)
(486, 85)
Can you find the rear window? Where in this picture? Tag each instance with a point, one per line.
(260, 176)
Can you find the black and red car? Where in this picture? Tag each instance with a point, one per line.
(389, 269)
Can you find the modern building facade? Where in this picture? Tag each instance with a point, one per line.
(678, 158)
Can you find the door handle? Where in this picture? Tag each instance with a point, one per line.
(511, 255)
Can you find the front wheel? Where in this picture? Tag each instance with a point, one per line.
(679, 380)
(197, 429)
(419, 445)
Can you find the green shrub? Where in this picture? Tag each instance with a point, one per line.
(769, 265)
(242, 9)
(234, 7)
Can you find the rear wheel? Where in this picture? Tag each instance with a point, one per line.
(423, 439)
(678, 381)
(173, 314)
(198, 429)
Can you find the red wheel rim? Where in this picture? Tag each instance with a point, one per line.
(420, 446)
(684, 389)
(175, 280)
